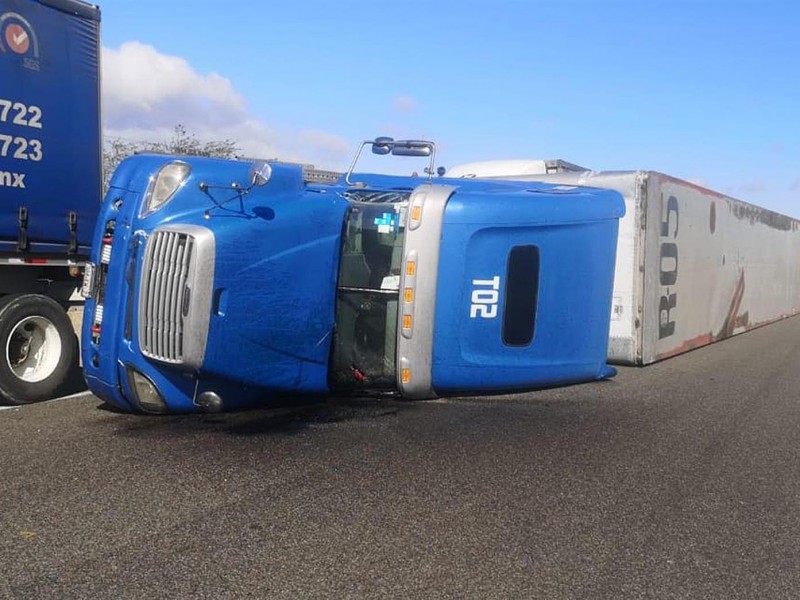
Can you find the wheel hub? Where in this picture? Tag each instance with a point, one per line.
(33, 349)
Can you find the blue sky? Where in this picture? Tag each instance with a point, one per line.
(704, 90)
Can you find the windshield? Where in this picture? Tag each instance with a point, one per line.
(364, 347)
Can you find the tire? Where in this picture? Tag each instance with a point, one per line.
(37, 347)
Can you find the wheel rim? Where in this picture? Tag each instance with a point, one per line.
(33, 349)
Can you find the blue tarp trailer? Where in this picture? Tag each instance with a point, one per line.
(50, 184)
(50, 155)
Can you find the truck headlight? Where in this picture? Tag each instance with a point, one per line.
(147, 397)
(163, 186)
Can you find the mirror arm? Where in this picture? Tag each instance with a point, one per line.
(355, 160)
(393, 145)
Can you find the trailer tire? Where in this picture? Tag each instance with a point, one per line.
(37, 347)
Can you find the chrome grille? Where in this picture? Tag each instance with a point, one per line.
(164, 295)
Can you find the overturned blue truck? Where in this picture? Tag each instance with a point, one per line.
(218, 285)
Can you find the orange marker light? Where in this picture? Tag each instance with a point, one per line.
(406, 321)
(411, 268)
(416, 213)
(406, 375)
(409, 295)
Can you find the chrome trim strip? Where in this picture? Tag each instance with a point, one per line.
(415, 351)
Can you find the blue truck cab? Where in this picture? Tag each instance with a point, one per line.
(218, 284)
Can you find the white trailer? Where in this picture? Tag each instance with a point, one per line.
(500, 168)
(693, 266)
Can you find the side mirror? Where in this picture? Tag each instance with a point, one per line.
(260, 173)
(412, 148)
(382, 146)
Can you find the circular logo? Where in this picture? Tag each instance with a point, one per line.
(17, 38)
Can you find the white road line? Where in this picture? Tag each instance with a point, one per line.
(70, 397)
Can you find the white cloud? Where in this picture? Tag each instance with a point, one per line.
(405, 104)
(143, 88)
(752, 187)
(328, 145)
(777, 148)
(146, 93)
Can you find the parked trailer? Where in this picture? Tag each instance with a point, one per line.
(50, 186)
(226, 284)
(495, 168)
(693, 266)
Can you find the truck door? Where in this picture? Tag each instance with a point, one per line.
(364, 345)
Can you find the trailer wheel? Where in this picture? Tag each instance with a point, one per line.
(37, 347)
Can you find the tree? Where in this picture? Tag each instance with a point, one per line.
(115, 150)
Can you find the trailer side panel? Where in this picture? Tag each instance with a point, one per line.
(50, 158)
(715, 267)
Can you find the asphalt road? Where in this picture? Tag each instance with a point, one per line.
(680, 480)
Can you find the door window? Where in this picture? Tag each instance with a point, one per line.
(364, 345)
